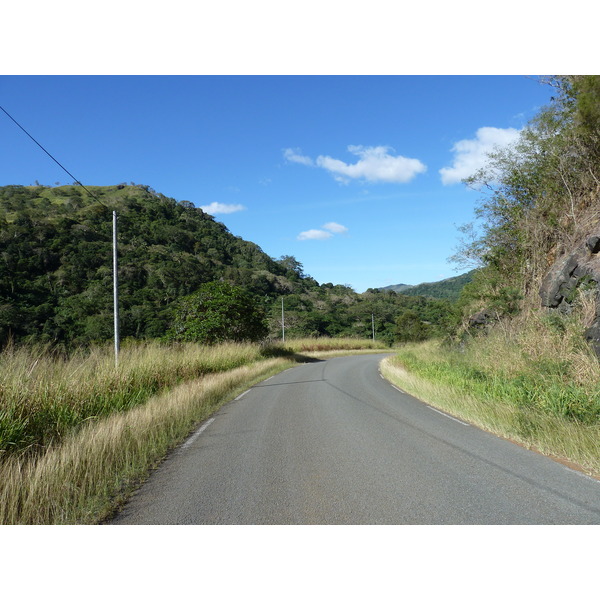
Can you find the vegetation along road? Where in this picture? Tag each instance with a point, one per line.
(332, 442)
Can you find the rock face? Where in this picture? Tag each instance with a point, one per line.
(580, 267)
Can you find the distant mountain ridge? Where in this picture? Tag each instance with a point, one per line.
(448, 289)
(399, 287)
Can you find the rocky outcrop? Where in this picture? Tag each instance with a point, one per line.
(572, 271)
(481, 319)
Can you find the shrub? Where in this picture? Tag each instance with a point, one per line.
(219, 312)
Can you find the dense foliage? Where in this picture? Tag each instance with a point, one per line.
(218, 312)
(538, 199)
(56, 266)
(336, 310)
(56, 272)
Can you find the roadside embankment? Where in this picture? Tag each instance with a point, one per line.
(540, 404)
(84, 478)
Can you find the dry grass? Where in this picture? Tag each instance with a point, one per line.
(43, 397)
(326, 344)
(84, 478)
(541, 342)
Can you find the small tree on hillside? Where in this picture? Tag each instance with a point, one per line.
(218, 312)
(410, 328)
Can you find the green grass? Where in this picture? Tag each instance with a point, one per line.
(516, 386)
(542, 389)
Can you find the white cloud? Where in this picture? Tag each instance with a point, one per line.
(314, 234)
(321, 234)
(471, 155)
(292, 155)
(216, 208)
(335, 228)
(375, 164)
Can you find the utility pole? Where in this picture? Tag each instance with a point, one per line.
(373, 325)
(115, 274)
(115, 288)
(282, 322)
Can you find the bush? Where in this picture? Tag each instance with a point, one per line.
(218, 312)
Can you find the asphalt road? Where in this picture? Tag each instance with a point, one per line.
(331, 442)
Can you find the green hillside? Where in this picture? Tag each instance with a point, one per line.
(448, 289)
(399, 287)
(56, 272)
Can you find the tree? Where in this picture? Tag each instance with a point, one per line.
(410, 328)
(218, 312)
(293, 268)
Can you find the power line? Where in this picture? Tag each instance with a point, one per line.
(115, 265)
(50, 155)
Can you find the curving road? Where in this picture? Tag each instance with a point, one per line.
(331, 442)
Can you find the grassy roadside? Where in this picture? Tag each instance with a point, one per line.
(529, 399)
(329, 347)
(322, 344)
(43, 397)
(84, 478)
(121, 422)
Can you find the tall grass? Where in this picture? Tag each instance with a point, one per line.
(533, 380)
(42, 396)
(76, 433)
(83, 479)
(327, 344)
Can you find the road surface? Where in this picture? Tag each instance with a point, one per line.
(332, 442)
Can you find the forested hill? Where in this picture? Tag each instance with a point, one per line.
(447, 288)
(56, 272)
(56, 265)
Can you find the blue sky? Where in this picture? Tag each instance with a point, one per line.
(358, 177)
